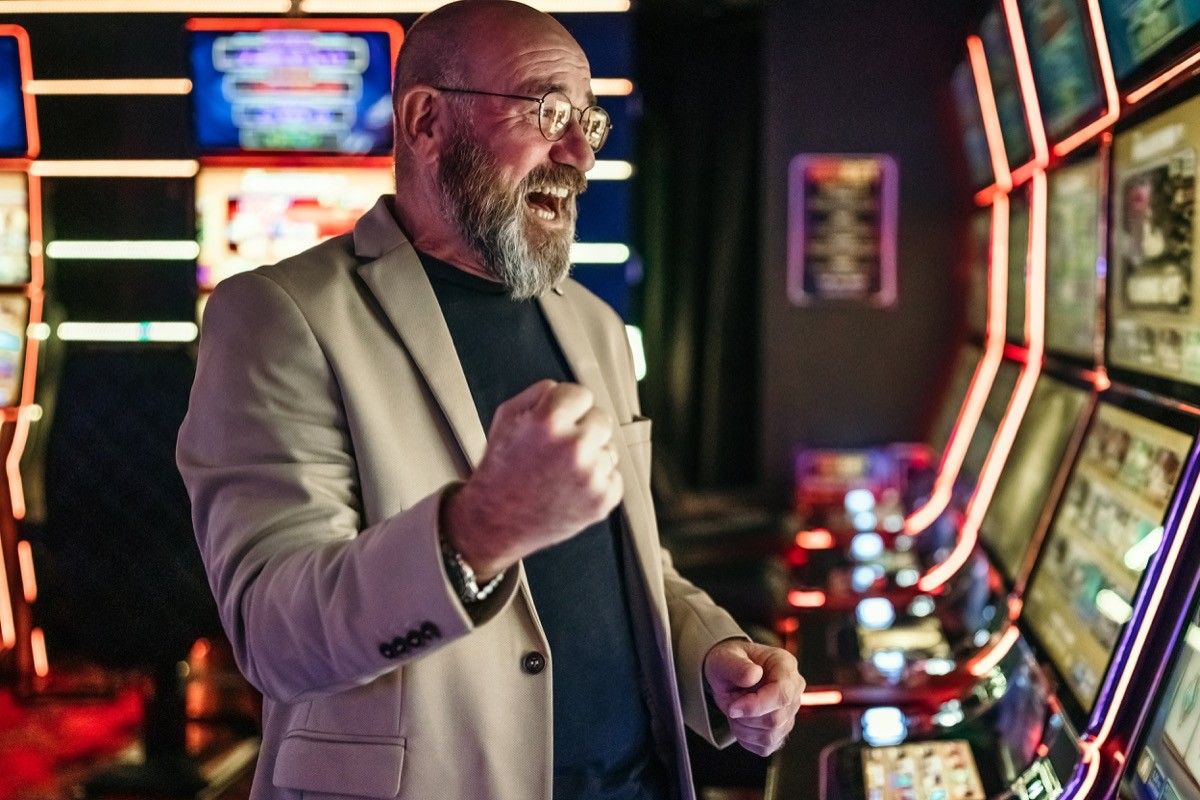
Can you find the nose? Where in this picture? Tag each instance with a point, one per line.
(573, 148)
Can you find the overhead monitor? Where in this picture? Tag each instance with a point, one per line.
(1167, 767)
(1154, 315)
(965, 364)
(1006, 87)
(1108, 526)
(1064, 66)
(980, 256)
(14, 228)
(248, 217)
(14, 124)
(1146, 35)
(1018, 266)
(970, 121)
(989, 422)
(292, 86)
(1072, 254)
(14, 320)
(1038, 451)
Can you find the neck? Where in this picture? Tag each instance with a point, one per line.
(435, 236)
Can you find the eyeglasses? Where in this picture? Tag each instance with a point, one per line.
(554, 115)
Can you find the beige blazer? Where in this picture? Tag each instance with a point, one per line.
(328, 413)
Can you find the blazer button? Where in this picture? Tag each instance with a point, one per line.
(533, 663)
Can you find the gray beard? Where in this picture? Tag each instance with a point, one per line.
(492, 221)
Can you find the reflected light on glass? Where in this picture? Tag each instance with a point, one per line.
(1113, 606)
(1138, 556)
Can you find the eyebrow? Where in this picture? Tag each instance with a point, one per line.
(538, 88)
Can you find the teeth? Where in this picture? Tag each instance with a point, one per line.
(553, 191)
(544, 214)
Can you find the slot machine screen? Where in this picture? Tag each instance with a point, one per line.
(14, 319)
(250, 217)
(1108, 526)
(1140, 29)
(1055, 411)
(989, 421)
(1067, 82)
(1018, 267)
(1072, 251)
(980, 244)
(1168, 766)
(14, 229)
(14, 142)
(970, 120)
(965, 365)
(291, 90)
(1007, 89)
(1155, 319)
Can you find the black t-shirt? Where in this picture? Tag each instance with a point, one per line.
(603, 746)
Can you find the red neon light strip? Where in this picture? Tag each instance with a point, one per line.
(1165, 77)
(37, 643)
(981, 381)
(991, 118)
(28, 576)
(8, 624)
(983, 663)
(1006, 434)
(1108, 78)
(831, 697)
(1033, 111)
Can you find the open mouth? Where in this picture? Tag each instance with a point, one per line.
(548, 203)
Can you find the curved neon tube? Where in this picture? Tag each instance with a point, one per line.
(1033, 111)
(1107, 77)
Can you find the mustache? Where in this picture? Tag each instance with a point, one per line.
(558, 175)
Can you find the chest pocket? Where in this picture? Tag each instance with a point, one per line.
(636, 435)
(340, 765)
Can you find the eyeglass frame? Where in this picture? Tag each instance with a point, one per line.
(541, 102)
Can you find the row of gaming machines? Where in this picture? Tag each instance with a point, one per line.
(1024, 620)
(288, 144)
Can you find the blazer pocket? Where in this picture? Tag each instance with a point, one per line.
(636, 435)
(340, 764)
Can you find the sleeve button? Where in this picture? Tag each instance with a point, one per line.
(533, 662)
(414, 639)
(387, 651)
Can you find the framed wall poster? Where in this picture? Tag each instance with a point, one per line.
(842, 214)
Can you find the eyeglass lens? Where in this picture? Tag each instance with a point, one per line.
(556, 111)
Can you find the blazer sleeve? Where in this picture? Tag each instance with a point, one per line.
(312, 602)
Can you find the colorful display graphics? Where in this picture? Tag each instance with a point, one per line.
(1139, 29)
(922, 771)
(1055, 410)
(970, 120)
(977, 277)
(1068, 86)
(1072, 250)
(1018, 267)
(1007, 89)
(251, 217)
(1155, 321)
(1108, 527)
(292, 89)
(965, 365)
(1169, 765)
(14, 229)
(14, 319)
(14, 142)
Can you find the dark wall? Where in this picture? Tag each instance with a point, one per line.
(865, 77)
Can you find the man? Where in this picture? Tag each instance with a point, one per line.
(429, 612)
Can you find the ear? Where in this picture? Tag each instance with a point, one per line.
(420, 122)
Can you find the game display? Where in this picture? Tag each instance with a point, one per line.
(970, 120)
(14, 228)
(1067, 83)
(1140, 29)
(1072, 250)
(1007, 88)
(1018, 267)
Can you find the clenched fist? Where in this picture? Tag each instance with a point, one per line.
(548, 472)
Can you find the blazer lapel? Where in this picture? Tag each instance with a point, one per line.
(398, 282)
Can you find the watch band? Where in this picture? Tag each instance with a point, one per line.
(462, 576)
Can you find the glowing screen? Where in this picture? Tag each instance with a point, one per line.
(1006, 87)
(1018, 266)
(1024, 487)
(1137, 29)
(1155, 320)
(1108, 526)
(977, 277)
(960, 382)
(1068, 86)
(14, 319)
(14, 229)
(251, 217)
(292, 89)
(1169, 764)
(989, 420)
(970, 120)
(13, 136)
(1072, 249)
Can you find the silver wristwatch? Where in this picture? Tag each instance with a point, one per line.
(462, 577)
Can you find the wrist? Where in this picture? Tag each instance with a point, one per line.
(457, 521)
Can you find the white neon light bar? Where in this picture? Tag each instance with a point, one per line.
(127, 250)
(634, 333)
(612, 87)
(421, 6)
(599, 253)
(162, 86)
(128, 331)
(132, 168)
(145, 6)
(610, 171)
